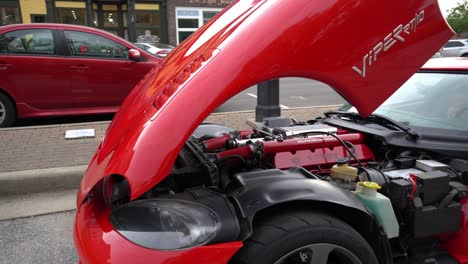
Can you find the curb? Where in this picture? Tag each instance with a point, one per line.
(56, 125)
(40, 180)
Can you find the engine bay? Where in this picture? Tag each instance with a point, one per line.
(418, 197)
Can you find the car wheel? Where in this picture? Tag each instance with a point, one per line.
(464, 55)
(305, 237)
(7, 111)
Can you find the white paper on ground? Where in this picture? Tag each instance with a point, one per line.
(80, 133)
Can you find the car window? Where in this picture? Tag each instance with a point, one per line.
(430, 100)
(31, 41)
(452, 44)
(91, 45)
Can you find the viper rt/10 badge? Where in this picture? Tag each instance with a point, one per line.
(398, 34)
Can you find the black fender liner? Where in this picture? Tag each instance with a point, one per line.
(255, 192)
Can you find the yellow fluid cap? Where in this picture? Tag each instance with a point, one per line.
(370, 185)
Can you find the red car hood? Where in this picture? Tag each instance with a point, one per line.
(365, 49)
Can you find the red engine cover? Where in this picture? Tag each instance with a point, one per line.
(321, 158)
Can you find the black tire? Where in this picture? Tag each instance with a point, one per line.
(7, 111)
(278, 236)
(464, 55)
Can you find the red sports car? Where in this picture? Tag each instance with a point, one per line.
(382, 186)
(55, 69)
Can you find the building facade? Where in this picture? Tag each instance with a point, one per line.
(166, 21)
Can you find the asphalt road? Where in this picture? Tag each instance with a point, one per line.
(38, 239)
(294, 92)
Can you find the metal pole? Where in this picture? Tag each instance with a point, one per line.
(89, 13)
(131, 20)
(50, 7)
(267, 100)
(163, 23)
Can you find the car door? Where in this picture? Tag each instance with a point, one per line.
(102, 73)
(452, 48)
(32, 68)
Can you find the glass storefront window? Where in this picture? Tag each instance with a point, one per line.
(189, 19)
(75, 16)
(95, 18)
(184, 34)
(9, 15)
(188, 22)
(208, 15)
(38, 18)
(111, 19)
(147, 20)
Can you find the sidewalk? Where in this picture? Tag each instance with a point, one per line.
(37, 159)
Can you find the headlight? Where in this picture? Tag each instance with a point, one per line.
(166, 224)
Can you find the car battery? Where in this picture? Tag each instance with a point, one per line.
(432, 186)
(400, 190)
(431, 165)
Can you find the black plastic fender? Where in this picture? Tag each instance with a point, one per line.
(255, 191)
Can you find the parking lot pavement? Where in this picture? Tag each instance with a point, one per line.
(16, 206)
(40, 239)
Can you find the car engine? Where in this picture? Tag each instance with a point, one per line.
(422, 194)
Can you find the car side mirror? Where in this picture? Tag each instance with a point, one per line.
(134, 55)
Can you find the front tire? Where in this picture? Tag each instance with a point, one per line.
(7, 111)
(304, 237)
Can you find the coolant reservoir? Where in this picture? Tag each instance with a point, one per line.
(380, 205)
(341, 170)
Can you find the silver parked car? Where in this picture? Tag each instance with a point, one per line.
(157, 49)
(455, 48)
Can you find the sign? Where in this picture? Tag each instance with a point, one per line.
(80, 133)
(148, 38)
(212, 2)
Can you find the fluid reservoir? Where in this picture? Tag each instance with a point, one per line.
(380, 206)
(341, 170)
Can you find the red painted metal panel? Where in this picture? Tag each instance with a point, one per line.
(321, 158)
(331, 41)
(97, 242)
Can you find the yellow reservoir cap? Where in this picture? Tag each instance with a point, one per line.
(370, 185)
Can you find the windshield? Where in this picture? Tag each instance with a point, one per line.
(430, 100)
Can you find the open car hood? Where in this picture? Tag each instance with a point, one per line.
(364, 49)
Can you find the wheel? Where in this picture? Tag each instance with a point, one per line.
(464, 55)
(7, 111)
(304, 237)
